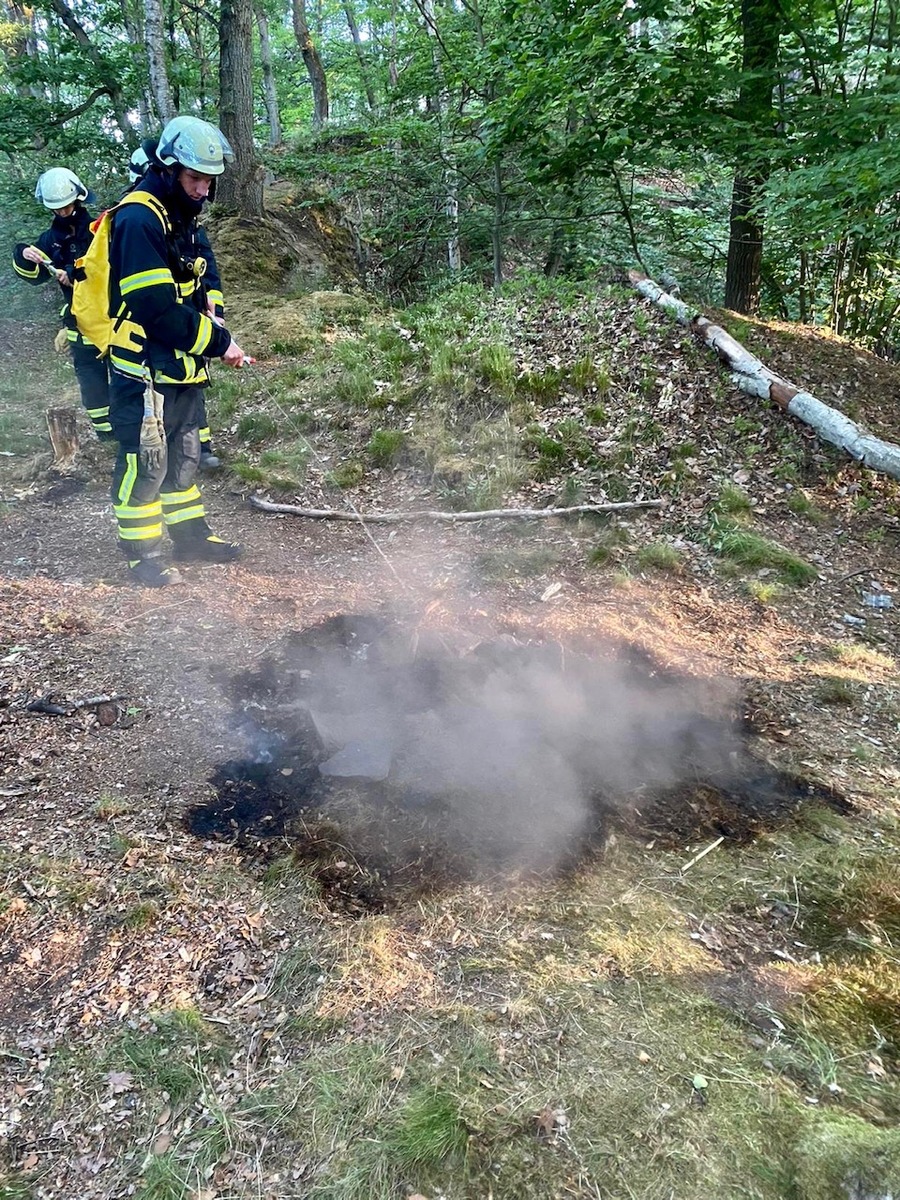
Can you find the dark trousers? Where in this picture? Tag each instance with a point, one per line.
(147, 499)
(93, 383)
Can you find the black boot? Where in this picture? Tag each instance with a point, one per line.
(208, 460)
(209, 549)
(152, 572)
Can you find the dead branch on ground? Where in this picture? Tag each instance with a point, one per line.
(488, 514)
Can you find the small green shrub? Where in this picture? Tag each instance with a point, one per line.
(386, 446)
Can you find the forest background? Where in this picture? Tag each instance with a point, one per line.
(746, 150)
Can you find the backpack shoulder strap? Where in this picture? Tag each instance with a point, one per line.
(148, 201)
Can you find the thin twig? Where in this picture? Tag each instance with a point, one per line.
(702, 854)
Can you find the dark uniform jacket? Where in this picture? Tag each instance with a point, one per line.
(66, 239)
(157, 300)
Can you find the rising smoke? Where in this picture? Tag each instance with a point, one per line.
(503, 753)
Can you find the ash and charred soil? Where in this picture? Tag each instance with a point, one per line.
(393, 766)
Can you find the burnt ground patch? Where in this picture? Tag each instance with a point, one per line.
(390, 765)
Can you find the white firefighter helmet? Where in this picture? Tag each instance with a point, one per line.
(195, 144)
(58, 188)
(138, 164)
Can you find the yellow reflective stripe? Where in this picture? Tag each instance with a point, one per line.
(25, 273)
(204, 336)
(144, 279)
(73, 335)
(191, 493)
(103, 426)
(136, 512)
(187, 287)
(184, 514)
(128, 478)
(216, 296)
(129, 368)
(141, 533)
(97, 412)
(205, 434)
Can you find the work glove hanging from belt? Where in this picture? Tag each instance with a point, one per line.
(153, 433)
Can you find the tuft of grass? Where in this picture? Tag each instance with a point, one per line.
(763, 591)
(497, 366)
(835, 690)
(386, 446)
(659, 556)
(429, 1130)
(801, 505)
(747, 548)
(109, 806)
(254, 428)
(349, 474)
(515, 563)
(841, 1155)
(248, 472)
(733, 501)
(858, 657)
(142, 915)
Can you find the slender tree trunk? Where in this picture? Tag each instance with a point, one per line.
(269, 90)
(364, 72)
(241, 186)
(313, 64)
(762, 30)
(436, 104)
(155, 41)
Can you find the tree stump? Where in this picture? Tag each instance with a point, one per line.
(63, 438)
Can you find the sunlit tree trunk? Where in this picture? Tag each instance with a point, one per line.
(313, 64)
(155, 41)
(270, 92)
(241, 186)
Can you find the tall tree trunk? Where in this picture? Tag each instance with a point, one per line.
(437, 104)
(365, 74)
(155, 41)
(313, 64)
(270, 92)
(761, 21)
(241, 186)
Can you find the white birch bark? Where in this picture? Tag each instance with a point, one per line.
(752, 376)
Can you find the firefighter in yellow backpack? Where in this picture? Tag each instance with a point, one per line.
(53, 256)
(163, 330)
(138, 165)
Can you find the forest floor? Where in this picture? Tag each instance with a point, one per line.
(505, 970)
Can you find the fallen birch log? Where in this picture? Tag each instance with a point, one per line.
(423, 514)
(751, 375)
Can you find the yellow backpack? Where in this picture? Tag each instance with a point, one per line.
(90, 289)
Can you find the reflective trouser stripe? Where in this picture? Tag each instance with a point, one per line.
(205, 434)
(128, 479)
(185, 514)
(191, 493)
(186, 505)
(100, 419)
(139, 522)
(143, 533)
